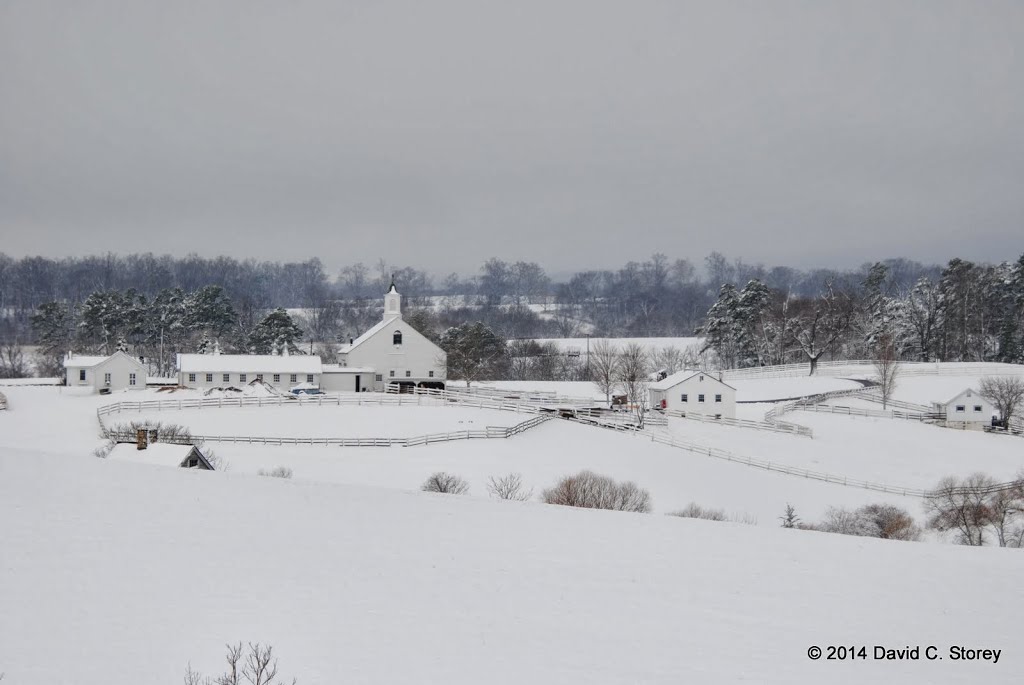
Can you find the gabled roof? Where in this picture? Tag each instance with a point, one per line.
(82, 361)
(683, 376)
(383, 325)
(248, 363)
(159, 453)
(965, 391)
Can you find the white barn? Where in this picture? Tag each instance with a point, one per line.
(118, 371)
(967, 410)
(393, 353)
(205, 371)
(694, 392)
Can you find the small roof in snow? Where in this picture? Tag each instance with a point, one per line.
(248, 363)
(971, 392)
(159, 453)
(85, 361)
(681, 376)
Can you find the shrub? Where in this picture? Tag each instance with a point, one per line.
(445, 483)
(589, 490)
(278, 472)
(695, 511)
(884, 521)
(509, 487)
(103, 451)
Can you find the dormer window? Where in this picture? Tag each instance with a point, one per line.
(397, 338)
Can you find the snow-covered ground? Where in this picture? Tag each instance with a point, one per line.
(119, 573)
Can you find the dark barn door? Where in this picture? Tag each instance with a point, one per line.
(358, 378)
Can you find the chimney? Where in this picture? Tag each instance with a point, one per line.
(141, 438)
(351, 340)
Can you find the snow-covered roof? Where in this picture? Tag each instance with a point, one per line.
(85, 361)
(338, 368)
(159, 453)
(344, 349)
(966, 392)
(681, 376)
(248, 363)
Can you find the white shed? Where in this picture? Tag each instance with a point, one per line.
(967, 410)
(119, 371)
(694, 392)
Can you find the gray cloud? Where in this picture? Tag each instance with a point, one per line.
(571, 133)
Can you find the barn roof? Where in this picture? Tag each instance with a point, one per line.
(248, 363)
(159, 453)
(85, 361)
(682, 376)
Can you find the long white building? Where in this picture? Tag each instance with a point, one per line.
(236, 370)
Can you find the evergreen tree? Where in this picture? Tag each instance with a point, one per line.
(474, 352)
(275, 332)
(53, 324)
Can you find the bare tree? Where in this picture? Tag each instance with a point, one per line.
(819, 323)
(961, 506)
(1005, 508)
(604, 367)
(509, 487)
(887, 368)
(669, 359)
(589, 490)
(695, 511)
(1006, 393)
(445, 483)
(257, 666)
(12, 361)
(632, 378)
(277, 472)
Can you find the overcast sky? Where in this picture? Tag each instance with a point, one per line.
(576, 134)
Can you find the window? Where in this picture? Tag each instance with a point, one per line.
(702, 378)
(226, 378)
(309, 378)
(191, 378)
(277, 378)
(209, 378)
(241, 378)
(430, 373)
(718, 398)
(977, 407)
(960, 407)
(81, 374)
(700, 397)
(131, 379)
(684, 397)
(379, 377)
(391, 373)
(106, 378)
(259, 377)
(408, 374)
(295, 378)
(397, 338)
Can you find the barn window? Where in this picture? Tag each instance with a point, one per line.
(960, 407)
(209, 378)
(702, 378)
(277, 378)
(226, 378)
(241, 378)
(430, 373)
(397, 338)
(718, 398)
(700, 397)
(977, 407)
(379, 377)
(106, 379)
(295, 378)
(309, 378)
(684, 397)
(191, 378)
(81, 374)
(131, 379)
(259, 377)
(391, 373)
(408, 374)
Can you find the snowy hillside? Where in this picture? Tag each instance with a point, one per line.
(122, 574)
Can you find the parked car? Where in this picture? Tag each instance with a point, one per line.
(306, 389)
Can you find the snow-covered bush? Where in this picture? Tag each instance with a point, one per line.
(277, 472)
(695, 511)
(509, 487)
(103, 451)
(884, 521)
(445, 483)
(589, 490)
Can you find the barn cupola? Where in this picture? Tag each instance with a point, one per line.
(392, 302)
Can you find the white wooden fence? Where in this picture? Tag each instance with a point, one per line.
(862, 366)
(3, 401)
(774, 426)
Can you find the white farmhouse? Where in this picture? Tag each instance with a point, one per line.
(119, 371)
(694, 392)
(967, 410)
(393, 353)
(205, 371)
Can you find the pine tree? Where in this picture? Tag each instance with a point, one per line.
(276, 331)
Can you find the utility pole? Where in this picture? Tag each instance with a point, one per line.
(588, 356)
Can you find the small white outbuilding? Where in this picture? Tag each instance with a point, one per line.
(967, 410)
(694, 392)
(119, 371)
(162, 454)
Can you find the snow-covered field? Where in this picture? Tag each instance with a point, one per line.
(119, 573)
(356, 576)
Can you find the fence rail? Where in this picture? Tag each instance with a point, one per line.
(776, 426)
(490, 432)
(839, 368)
(3, 401)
